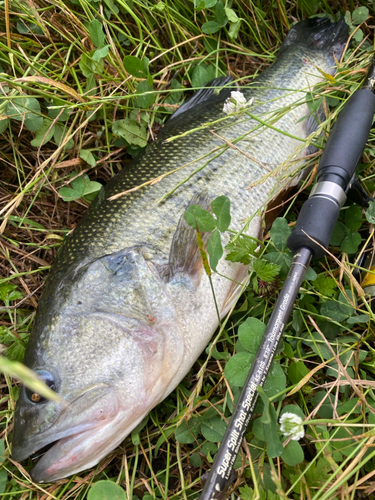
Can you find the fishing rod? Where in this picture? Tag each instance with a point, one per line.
(309, 239)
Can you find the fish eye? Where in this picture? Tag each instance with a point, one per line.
(48, 379)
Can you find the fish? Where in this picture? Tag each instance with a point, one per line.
(127, 307)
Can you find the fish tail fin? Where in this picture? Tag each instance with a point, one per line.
(318, 34)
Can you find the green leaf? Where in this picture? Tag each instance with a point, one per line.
(318, 345)
(353, 218)
(326, 409)
(345, 306)
(251, 333)
(266, 271)
(238, 367)
(258, 429)
(135, 432)
(143, 99)
(204, 4)
(100, 53)
(220, 15)
(187, 433)
(24, 29)
(276, 381)
(87, 156)
(280, 232)
(106, 490)
(266, 417)
(358, 318)
(370, 212)
(162, 439)
(89, 65)
(211, 27)
(221, 208)
(80, 183)
(360, 15)
(96, 33)
(349, 406)
(351, 242)
(325, 285)
(55, 112)
(69, 194)
(91, 190)
(269, 420)
(348, 18)
(342, 439)
(313, 103)
(200, 77)
(281, 259)
(358, 36)
(231, 15)
(200, 219)
(214, 429)
(293, 409)
(296, 371)
(174, 97)
(2, 451)
(216, 354)
(241, 249)
(209, 447)
(3, 124)
(234, 29)
(3, 480)
(131, 131)
(44, 134)
(85, 65)
(136, 67)
(338, 234)
(215, 249)
(293, 454)
(26, 110)
(60, 134)
(288, 350)
(195, 460)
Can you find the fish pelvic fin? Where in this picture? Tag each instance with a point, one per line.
(184, 256)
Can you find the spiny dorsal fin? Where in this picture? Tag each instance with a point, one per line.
(206, 97)
(184, 256)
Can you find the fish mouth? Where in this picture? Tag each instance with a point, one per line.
(68, 455)
(81, 451)
(84, 417)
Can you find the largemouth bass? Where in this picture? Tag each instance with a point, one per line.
(127, 308)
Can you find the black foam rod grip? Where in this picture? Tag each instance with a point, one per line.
(348, 137)
(314, 225)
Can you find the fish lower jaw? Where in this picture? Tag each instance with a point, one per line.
(68, 456)
(82, 451)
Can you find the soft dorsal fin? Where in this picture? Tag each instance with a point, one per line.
(207, 96)
(184, 256)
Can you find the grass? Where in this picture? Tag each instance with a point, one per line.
(63, 85)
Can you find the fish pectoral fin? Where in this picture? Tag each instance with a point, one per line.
(184, 256)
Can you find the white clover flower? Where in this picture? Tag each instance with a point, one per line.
(236, 102)
(292, 425)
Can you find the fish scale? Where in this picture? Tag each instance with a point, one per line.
(127, 307)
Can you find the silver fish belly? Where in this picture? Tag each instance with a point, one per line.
(127, 308)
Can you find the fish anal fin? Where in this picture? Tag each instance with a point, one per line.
(184, 256)
(235, 289)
